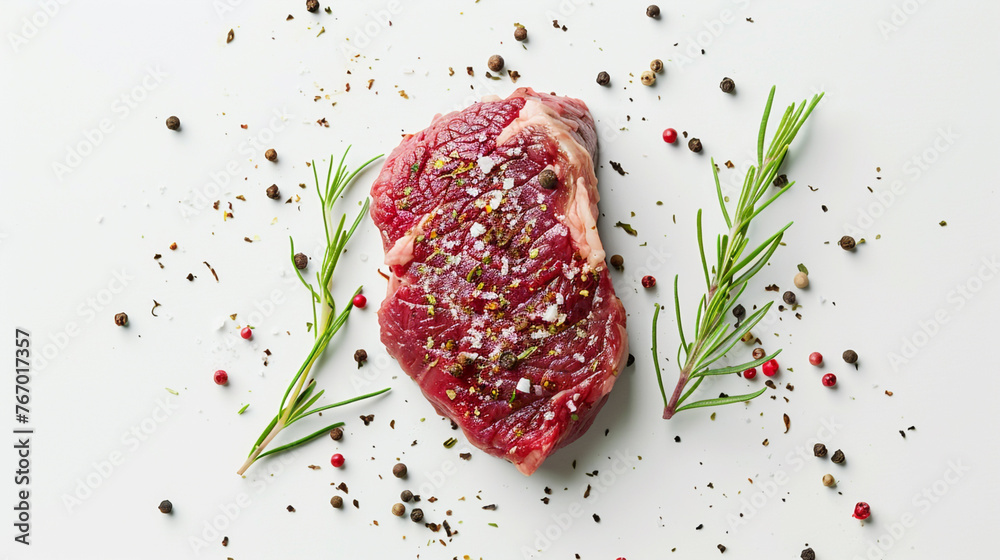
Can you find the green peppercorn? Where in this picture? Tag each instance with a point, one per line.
(508, 360)
(548, 179)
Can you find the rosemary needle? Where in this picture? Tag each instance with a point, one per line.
(732, 268)
(298, 400)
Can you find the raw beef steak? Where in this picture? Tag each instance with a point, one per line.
(500, 305)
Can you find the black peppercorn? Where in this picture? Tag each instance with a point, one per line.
(850, 356)
(819, 450)
(520, 34)
(166, 507)
(406, 495)
(603, 78)
(495, 63)
(508, 360)
(360, 356)
(337, 502)
(618, 262)
(456, 370)
(728, 85)
(789, 297)
(781, 180)
(694, 145)
(173, 123)
(758, 353)
(847, 243)
(337, 433)
(548, 180)
(301, 261)
(653, 11)
(273, 193)
(121, 319)
(808, 554)
(630, 360)
(739, 311)
(312, 5)
(399, 470)
(838, 457)
(271, 154)
(417, 515)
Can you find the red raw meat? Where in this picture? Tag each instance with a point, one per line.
(500, 305)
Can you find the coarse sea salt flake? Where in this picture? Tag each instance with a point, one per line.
(571, 406)
(477, 229)
(524, 385)
(485, 163)
(508, 183)
(551, 313)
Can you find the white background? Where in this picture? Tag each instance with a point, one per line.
(909, 89)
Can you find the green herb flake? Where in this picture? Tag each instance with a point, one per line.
(492, 524)
(450, 442)
(803, 269)
(628, 228)
(171, 391)
(244, 409)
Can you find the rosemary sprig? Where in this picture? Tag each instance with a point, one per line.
(299, 399)
(731, 270)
